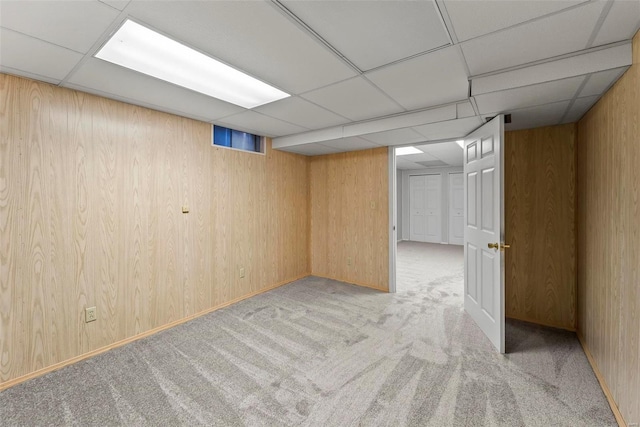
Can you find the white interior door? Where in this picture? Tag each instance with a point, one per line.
(433, 189)
(418, 208)
(484, 229)
(456, 209)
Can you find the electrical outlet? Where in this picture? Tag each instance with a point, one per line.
(241, 272)
(89, 314)
(348, 261)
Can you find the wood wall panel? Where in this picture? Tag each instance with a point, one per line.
(91, 196)
(609, 237)
(350, 217)
(540, 266)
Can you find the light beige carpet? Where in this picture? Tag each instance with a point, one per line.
(318, 352)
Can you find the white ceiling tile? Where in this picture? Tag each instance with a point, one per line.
(458, 161)
(137, 88)
(418, 157)
(368, 32)
(528, 96)
(464, 109)
(34, 56)
(407, 165)
(76, 25)
(448, 152)
(533, 117)
(250, 121)
(474, 18)
(253, 36)
(449, 129)
(558, 34)
(118, 4)
(301, 112)
(592, 61)
(355, 99)
(579, 108)
(452, 160)
(400, 121)
(621, 23)
(350, 144)
(442, 148)
(311, 149)
(395, 137)
(428, 80)
(599, 82)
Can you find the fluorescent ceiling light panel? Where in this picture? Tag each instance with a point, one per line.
(460, 142)
(140, 49)
(403, 151)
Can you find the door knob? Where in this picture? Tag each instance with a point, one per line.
(501, 246)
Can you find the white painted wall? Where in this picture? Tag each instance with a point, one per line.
(403, 199)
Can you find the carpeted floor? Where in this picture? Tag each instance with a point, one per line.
(318, 352)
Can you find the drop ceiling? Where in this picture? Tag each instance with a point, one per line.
(361, 74)
(444, 154)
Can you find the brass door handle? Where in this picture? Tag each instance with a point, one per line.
(501, 246)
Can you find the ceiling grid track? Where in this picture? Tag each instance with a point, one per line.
(287, 13)
(601, 19)
(529, 21)
(573, 100)
(408, 58)
(100, 41)
(391, 74)
(384, 93)
(550, 59)
(446, 21)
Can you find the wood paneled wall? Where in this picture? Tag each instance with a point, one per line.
(350, 217)
(91, 197)
(540, 266)
(609, 237)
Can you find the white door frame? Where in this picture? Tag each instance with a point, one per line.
(393, 220)
(450, 209)
(392, 191)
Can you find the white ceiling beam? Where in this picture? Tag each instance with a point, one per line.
(582, 63)
(433, 115)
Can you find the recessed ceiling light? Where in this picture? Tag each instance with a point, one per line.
(460, 142)
(403, 151)
(140, 49)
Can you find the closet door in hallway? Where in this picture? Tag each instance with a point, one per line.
(425, 201)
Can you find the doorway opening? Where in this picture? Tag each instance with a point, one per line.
(483, 286)
(430, 220)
